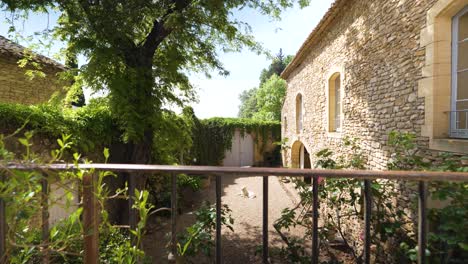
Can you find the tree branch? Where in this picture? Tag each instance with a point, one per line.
(160, 31)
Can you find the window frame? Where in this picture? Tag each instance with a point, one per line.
(299, 113)
(454, 131)
(332, 100)
(435, 84)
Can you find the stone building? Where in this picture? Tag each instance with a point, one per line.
(371, 67)
(16, 86)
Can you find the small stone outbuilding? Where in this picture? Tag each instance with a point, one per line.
(371, 67)
(16, 86)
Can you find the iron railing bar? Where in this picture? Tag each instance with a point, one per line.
(224, 171)
(315, 205)
(90, 221)
(45, 219)
(367, 220)
(422, 224)
(218, 220)
(3, 231)
(174, 215)
(265, 220)
(132, 216)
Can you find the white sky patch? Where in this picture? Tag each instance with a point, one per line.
(217, 97)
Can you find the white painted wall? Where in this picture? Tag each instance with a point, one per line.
(59, 206)
(242, 151)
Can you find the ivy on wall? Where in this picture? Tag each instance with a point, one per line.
(89, 126)
(212, 137)
(178, 139)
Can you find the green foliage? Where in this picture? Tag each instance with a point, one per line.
(405, 152)
(142, 52)
(341, 196)
(448, 235)
(270, 98)
(198, 238)
(192, 182)
(94, 125)
(90, 125)
(277, 66)
(212, 137)
(448, 238)
(173, 138)
(265, 103)
(248, 103)
(22, 192)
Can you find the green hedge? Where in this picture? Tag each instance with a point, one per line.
(89, 126)
(212, 137)
(201, 142)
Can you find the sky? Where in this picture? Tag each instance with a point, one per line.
(219, 96)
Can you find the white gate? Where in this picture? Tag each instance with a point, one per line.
(242, 151)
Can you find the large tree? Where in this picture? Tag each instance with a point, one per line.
(248, 103)
(277, 66)
(270, 98)
(141, 50)
(265, 102)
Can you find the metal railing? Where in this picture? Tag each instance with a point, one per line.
(458, 124)
(90, 217)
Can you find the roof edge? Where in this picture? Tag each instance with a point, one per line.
(313, 37)
(12, 48)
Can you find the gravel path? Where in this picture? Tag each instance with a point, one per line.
(244, 244)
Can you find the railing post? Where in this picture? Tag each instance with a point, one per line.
(132, 217)
(315, 205)
(45, 219)
(90, 221)
(218, 220)
(422, 224)
(265, 220)
(367, 220)
(3, 230)
(174, 216)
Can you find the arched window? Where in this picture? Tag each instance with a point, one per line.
(459, 102)
(334, 103)
(299, 109)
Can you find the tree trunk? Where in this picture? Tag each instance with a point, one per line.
(144, 107)
(139, 153)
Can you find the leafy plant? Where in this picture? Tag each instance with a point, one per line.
(198, 238)
(448, 235)
(212, 137)
(24, 197)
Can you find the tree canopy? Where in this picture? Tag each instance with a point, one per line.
(141, 51)
(265, 102)
(270, 99)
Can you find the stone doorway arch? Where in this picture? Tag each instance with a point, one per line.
(300, 158)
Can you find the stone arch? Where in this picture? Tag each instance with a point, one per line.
(300, 156)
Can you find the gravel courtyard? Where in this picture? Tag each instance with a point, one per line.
(244, 244)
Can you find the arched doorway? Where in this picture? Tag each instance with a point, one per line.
(300, 158)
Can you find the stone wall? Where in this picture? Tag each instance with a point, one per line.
(375, 47)
(16, 87)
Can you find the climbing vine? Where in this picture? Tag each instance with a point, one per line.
(212, 137)
(178, 139)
